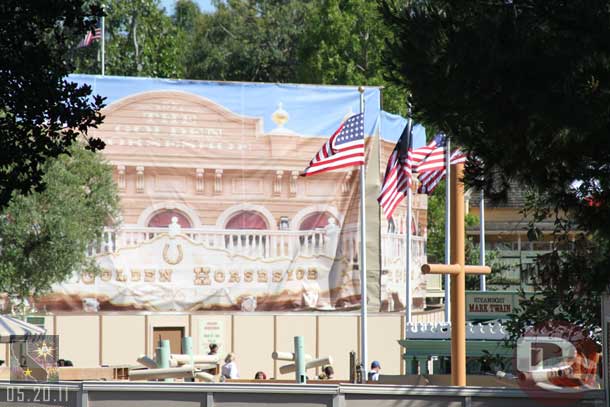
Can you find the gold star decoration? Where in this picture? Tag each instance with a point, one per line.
(27, 372)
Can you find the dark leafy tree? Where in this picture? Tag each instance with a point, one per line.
(41, 113)
(524, 85)
(45, 235)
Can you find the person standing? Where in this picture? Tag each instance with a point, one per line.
(373, 375)
(229, 369)
(213, 351)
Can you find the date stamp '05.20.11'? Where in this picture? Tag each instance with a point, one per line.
(34, 378)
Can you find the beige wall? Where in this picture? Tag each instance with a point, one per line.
(384, 332)
(122, 339)
(338, 336)
(254, 343)
(79, 339)
(253, 337)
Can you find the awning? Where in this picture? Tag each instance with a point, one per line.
(16, 330)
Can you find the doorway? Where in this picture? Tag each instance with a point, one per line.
(173, 334)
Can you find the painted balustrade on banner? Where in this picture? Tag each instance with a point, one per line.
(393, 249)
(340, 243)
(251, 243)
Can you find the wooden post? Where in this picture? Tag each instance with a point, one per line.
(457, 270)
(458, 317)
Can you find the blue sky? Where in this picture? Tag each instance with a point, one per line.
(204, 5)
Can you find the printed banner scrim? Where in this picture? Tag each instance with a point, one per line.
(214, 213)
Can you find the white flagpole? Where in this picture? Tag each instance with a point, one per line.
(482, 281)
(447, 229)
(363, 283)
(409, 296)
(408, 288)
(103, 39)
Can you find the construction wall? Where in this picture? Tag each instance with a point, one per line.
(118, 339)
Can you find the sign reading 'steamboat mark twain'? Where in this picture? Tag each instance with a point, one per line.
(490, 304)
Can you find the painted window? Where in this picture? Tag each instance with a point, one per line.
(247, 220)
(164, 219)
(316, 220)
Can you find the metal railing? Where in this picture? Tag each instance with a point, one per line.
(110, 394)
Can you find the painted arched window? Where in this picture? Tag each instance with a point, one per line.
(164, 219)
(316, 220)
(247, 220)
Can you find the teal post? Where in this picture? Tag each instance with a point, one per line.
(299, 360)
(187, 349)
(187, 346)
(411, 365)
(446, 365)
(423, 365)
(163, 352)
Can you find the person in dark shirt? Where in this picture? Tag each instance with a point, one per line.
(373, 375)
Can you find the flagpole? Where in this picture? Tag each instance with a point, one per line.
(363, 282)
(103, 45)
(408, 254)
(409, 296)
(482, 281)
(447, 229)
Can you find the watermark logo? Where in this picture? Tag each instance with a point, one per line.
(35, 360)
(557, 357)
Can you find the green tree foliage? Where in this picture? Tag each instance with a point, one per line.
(253, 40)
(186, 15)
(523, 84)
(41, 113)
(312, 41)
(343, 44)
(335, 42)
(141, 40)
(45, 235)
(525, 87)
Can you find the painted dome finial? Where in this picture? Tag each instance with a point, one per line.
(280, 116)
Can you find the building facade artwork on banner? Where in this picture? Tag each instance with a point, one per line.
(214, 213)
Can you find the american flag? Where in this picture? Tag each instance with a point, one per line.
(435, 155)
(397, 177)
(429, 180)
(90, 37)
(345, 148)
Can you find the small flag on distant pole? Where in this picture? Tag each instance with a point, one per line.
(90, 37)
(345, 148)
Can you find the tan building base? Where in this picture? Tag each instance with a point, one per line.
(110, 339)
